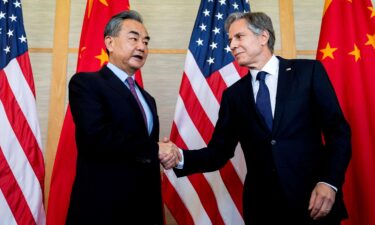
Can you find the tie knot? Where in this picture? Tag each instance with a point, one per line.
(130, 81)
(261, 75)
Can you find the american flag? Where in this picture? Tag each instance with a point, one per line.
(216, 197)
(21, 156)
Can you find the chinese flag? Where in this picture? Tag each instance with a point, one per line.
(91, 57)
(347, 50)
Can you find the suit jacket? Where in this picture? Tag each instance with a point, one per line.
(118, 170)
(283, 166)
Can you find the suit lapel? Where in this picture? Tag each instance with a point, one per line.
(148, 100)
(115, 83)
(286, 72)
(151, 104)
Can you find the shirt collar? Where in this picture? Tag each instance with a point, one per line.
(271, 67)
(118, 72)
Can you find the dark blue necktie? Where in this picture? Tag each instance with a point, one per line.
(263, 101)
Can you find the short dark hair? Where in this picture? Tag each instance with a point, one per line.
(257, 23)
(113, 26)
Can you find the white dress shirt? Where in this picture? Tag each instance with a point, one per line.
(272, 68)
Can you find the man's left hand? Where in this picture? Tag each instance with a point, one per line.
(321, 201)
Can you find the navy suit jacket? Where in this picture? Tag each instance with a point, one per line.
(284, 165)
(118, 170)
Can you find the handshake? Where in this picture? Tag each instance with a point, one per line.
(169, 154)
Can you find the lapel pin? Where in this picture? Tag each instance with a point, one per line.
(288, 69)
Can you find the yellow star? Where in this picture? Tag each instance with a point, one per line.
(372, 11)
(371, 40)
(104, 2)
(328, 52)
(356, 52)
(326, 5)
(103, 57)
(82, 50)
(90, 8)
(91, 2)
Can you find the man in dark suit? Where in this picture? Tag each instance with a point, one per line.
(294, 136)
(117, 131)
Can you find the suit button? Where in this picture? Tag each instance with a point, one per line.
(273, 142)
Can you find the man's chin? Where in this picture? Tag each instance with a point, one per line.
(241, 63)
(137, 65)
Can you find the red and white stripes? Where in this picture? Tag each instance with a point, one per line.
(21, 156)
(209, 198)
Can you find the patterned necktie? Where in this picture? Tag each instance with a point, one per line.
(263, 101)
(132, 90)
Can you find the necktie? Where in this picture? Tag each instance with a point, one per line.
(132, 90)
(263, 101)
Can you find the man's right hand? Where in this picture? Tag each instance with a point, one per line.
(169, 155)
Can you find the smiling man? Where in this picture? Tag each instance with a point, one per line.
(117, 132)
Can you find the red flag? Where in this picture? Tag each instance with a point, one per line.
(92, 56)
(347, 50)
(21, 156)
(209, 198)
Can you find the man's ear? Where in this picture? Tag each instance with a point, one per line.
(265, 37)
(108, 41)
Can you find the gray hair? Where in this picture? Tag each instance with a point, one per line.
(257, 23)
(113, 27)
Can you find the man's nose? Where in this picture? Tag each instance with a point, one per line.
(141, 46)
(233, 45)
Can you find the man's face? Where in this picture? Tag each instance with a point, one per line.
(247, 48)
(129, 49)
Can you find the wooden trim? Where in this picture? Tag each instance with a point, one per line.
(168, 51)
(306, 52)
(162, 51)
(40, 50)
(287, 30)
(58, 86)
(151, 51)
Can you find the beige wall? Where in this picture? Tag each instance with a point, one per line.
(169, 23)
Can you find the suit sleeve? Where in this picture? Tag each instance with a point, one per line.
(96, 134)
(220, 148)
(336, 130)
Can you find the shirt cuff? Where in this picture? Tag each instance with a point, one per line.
(180, 165)
(333, 187)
